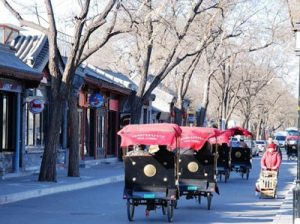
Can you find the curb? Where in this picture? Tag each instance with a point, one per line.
(14, 197)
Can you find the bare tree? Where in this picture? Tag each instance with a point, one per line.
(162, 40)
(61, 83)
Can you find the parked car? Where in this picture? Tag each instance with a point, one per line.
(251, 145)
(280, 140)
(292, 131)
(261, 145)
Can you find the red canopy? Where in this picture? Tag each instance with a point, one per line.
(150, 134)
(195, 137)
(224, 136)
(240, 131)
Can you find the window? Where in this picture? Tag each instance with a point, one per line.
(34, 128)
(35, 123)
(7, 121)
(4, 121)
(100, 131)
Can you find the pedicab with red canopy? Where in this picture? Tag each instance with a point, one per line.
(150, 174)
(197, 164)
(221, 143)
(241, 156)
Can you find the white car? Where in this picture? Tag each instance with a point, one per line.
(251, 145)
(261, 145)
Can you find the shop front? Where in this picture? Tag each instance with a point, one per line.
(15, 78)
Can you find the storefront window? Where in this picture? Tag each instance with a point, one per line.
(100, 131)
(35, 125)
(34, 129)
(7, 121)
(4, 120)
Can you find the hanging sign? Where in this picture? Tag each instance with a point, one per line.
(96, 100)
(36, 106)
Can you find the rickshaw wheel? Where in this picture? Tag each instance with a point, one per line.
(209, 198)
(175, 204)
(226, 176)
(247, 173)
(163, 209)
(130, 209)
(199, 199)
(170, 211)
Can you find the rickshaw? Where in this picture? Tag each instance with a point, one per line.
(241, 160)
(150, 175)
(240, 154)
(292, 147)
(224, 162)
(197, 164)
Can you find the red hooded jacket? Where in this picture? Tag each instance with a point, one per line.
(271, 160)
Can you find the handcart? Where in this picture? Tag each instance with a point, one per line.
(268, 184)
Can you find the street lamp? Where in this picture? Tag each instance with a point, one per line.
(296, 190)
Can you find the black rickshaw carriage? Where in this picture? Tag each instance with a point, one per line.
(240, 155)
(224, 161)
(292, 147)
(241, 160)
(150, 174)
(197, 164)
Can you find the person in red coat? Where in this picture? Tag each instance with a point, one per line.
(271, 159)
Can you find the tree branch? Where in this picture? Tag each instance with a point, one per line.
(22, 21)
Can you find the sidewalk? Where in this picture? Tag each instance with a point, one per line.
(285, 213)
(14, 189)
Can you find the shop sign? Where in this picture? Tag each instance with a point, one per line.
(96, 100)
(36, 106)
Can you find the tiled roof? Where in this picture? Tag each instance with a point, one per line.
(12, 66)
(32, 50)
(114, 78)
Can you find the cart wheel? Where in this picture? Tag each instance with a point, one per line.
(130, 210)
(247, 173)
(199, 199)
(209, 198)
(163, 209)
(175, 204)
(226, 176)
(170, 211)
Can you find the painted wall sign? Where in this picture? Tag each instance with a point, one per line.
(96, 100)
(36, 106)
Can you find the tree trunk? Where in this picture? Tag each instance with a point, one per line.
(136, 109)
(48, 166)
(73, 167)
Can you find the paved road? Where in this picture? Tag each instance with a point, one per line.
(237, 203)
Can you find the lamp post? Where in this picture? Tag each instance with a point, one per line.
(296, 190)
